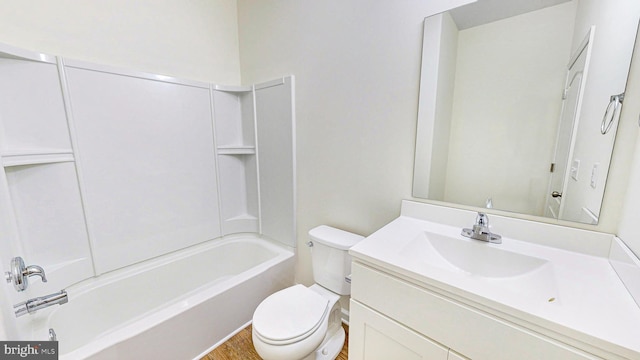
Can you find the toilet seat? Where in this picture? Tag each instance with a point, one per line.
(290, 315)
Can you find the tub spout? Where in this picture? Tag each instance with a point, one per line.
(32, 305)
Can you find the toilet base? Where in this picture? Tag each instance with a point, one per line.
(330, 346)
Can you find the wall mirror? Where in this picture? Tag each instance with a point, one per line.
(513, 96)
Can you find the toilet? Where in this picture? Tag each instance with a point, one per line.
(302, 322)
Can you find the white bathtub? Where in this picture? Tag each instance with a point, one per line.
(176, 307)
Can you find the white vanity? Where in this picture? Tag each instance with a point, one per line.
(420, 290)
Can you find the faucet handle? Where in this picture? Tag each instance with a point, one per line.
(20, 274)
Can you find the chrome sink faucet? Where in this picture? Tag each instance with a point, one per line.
(480, 230)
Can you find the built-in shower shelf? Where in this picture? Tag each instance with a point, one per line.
(36, 156)
(235, 124)
(236, 150)
(240, 223)
(243, 217)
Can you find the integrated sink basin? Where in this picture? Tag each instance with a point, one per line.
(473, 256)
(480, 267)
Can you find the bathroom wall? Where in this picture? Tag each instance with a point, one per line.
(628, 229)
(357, 68)
(193, 39)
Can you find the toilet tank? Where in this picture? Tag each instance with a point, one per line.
(330, 258)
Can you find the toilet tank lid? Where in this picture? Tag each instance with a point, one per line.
(333, 237)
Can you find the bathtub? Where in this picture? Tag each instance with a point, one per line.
(179, 306)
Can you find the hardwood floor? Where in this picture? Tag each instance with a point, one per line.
(240, 347)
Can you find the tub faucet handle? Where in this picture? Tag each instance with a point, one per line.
(20, 274)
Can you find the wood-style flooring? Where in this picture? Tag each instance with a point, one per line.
(240, 347)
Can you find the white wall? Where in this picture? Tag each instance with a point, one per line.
(628, 229)
(508, 125)
(195, 39)
(357, 68)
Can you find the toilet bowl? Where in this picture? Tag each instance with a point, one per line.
(296, 322)
(305, 322)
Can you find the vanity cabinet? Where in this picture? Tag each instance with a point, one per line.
(379, 337)
(393, 317)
